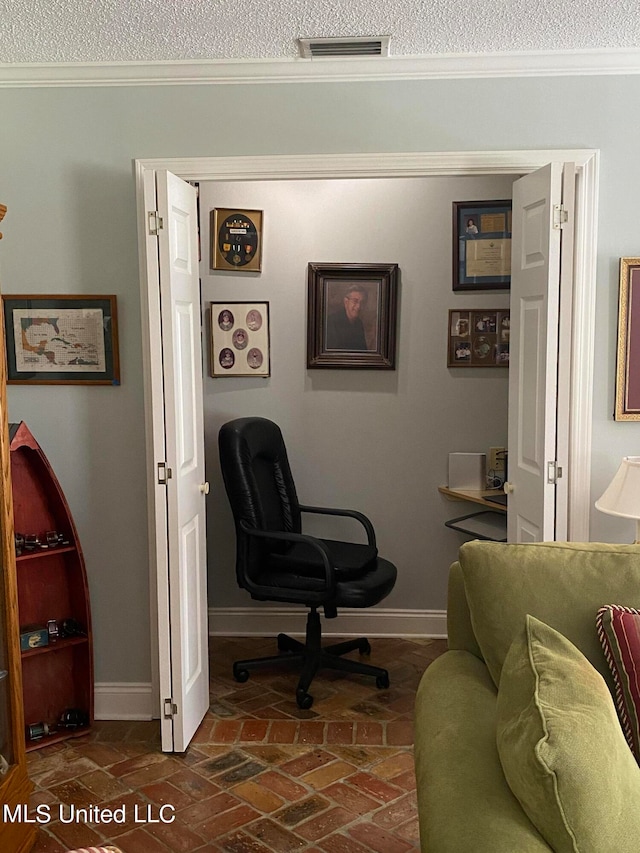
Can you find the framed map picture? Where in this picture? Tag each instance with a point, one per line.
(61, 340)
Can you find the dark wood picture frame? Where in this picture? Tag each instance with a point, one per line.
(627, 404)
(236, 239)
(482, 245)
(351, 315)
(78, 343)
(478, 337)
(240, 343)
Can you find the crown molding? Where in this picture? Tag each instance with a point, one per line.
(438, 66)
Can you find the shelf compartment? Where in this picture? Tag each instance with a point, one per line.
(58, 646)
(488, 525)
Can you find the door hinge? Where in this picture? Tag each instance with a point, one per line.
(164, 473)
(156, 223)
(560, 216)
(170, 709)
(554, 472)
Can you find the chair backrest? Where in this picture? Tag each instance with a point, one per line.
(260, 488)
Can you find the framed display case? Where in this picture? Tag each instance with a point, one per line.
(478, 337)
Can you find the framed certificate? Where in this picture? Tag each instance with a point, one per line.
(482, 245)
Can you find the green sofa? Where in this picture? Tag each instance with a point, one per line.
(465, 803)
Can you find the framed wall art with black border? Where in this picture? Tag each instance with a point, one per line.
(482, 245)
(61, 340)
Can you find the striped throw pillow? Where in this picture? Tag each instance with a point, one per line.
(619, 633)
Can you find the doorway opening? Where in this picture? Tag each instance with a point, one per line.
(374, 166)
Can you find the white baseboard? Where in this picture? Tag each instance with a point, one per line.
(370, 622)
(123, 701)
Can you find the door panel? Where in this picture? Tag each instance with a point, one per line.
(187, 667)
(535, 290)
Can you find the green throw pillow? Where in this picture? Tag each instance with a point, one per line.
(562, 749)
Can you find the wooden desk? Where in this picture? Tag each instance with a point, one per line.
(490, 523)
(474, 496)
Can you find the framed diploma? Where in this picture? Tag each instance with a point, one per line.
(627, 406)
(236, 239)
(482, 245)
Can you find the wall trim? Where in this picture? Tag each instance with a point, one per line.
(123, 700)
(296, 70)
(350, 622)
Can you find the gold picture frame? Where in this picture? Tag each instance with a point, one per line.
(236, 239)
(627, 403)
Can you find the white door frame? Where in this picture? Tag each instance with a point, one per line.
(402, 165)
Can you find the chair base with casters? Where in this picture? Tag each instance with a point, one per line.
(313, 656)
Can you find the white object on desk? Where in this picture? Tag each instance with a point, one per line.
(468, 471)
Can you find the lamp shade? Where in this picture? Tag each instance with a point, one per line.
(622, 495)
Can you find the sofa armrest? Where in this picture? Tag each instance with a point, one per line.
(459, 627)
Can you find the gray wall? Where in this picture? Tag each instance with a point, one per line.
(66, 175)
(374, 440)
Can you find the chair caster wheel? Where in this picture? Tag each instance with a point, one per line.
(382, 681)
(365, 648)
(304, 700)
(241, 675)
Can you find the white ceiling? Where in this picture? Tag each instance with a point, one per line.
(44, 31)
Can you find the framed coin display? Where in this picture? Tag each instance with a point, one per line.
(236, 239)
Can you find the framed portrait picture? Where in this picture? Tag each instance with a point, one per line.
(240, 339)
(478, 338)
(351, 315)
(236, 239)
(61, 340)
(627, 405)
(482, 245)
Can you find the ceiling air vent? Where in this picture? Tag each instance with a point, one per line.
(340, 47)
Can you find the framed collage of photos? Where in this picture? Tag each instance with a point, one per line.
(240, 339)
(478, 338)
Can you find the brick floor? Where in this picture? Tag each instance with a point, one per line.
(261, 775)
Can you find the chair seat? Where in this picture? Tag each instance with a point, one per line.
(350, 560)
(367, 589)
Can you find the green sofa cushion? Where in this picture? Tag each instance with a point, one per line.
(464, 802)
(562, 749)
(563, 584)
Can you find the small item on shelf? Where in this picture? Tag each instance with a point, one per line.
(73, 718)
(32, 637)
(36, 731)
(72, 628)
(19, 544)
(51, 538)
(53, 630)
(31, 542)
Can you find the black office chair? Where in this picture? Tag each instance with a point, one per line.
(276, 562)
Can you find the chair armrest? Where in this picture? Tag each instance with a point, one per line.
(350, 513)
(323, 550)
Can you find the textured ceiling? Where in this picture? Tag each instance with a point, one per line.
(33, 31)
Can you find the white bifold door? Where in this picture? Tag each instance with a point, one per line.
(540, 347)
(178, 438)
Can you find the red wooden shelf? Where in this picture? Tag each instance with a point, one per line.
(52, 584)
